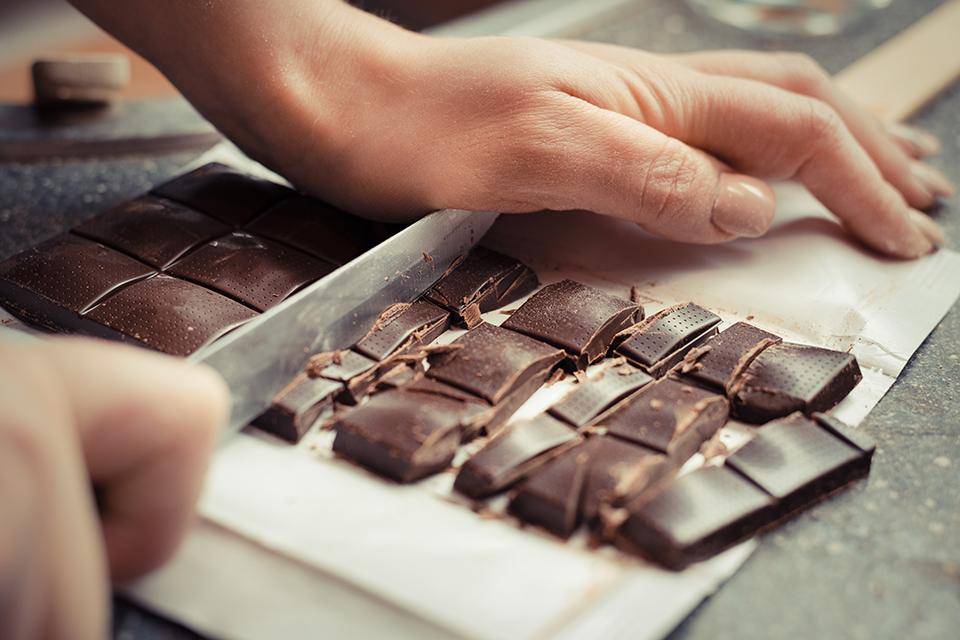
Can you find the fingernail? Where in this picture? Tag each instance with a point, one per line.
(937, 183)
(924, 143)
(744, 205)
(930, 229)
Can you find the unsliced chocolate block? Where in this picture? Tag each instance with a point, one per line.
(579, 319)
(660, 342)
(550, 497)
(513, 454)
(317, 228)
(670, 417)
(481, 281)
(719, 361)
(401, 435)
(798, 462)
(224, 193)
(154, 230)
(618, 471)
(591, 397)
(790, 377)
(258, 272)
(169, 315)
(418, 323)
(493, 361)
(694, 517)
(52, 283)
(297, 407)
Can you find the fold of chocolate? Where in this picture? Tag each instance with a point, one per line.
(297, 406)
(670, 417)
(481, 281)
(790, 377)
(550, 498)
(398, 329)
(579, 319)
(719, 361)
(591, 397)
(513, 454)
(659, 342)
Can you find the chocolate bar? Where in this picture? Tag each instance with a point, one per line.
(418, 323)
(670, 417)
(481, 281)
(550, 498)
(659, 342)
(579, 319)
(719, 361)
(617, 472)
(593, 396)
(790, 377)
(513, 454)
(297, 406)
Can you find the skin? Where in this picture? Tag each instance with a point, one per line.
(392, 124)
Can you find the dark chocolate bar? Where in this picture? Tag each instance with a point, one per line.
(617, 472)
(592, 396)
(513, 454)
(297, 407)
(661, 341)
(579, 319)
(719, 361)
(418, 323)
(550, 497)
(790, 377)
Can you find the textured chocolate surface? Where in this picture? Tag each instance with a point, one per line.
(581, 320)
(153, 230)
(591, 397)
(297, 407)
(661, 341)
(618, 471)
(719, 361)
(790, 377)
(550, 497)
(420, 323)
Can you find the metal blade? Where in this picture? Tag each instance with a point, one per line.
(262, 356)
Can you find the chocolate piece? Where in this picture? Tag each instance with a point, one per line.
(513, 454)
(482, 281)
(694, 517)
(590, 398)
(420, 323)
(52, 283)
(670, 417)
(854, 437)
(660, 342)
(225, 194)
(258, 272)
(579, 319)
(719, 361)
(316, 228)
(169, 315)
(619, 471)
(493, 362)
(401, 435)
(791, 377)
(154, 230)
(357, 372)
(550, 497)
(297, 407)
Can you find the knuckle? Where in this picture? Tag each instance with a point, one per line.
(820, 124)
(670, 179)
(802, 73)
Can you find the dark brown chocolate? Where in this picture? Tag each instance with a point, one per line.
(593, 396)
(661, 341)
(619, 471)
(719, 361)
(550, 497)
(298, 405)
(419, 323)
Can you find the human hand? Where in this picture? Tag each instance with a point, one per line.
(102, 452)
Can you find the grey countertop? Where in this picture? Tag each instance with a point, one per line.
(880, 560)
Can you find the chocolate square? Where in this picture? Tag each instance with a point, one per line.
(660, 342)
(719, 361)
(579, 319)
(224, 193)
(593, 396)
(258, 272)
(297, 406)
(619, 471)
(417, 323)
(169, 315)
(550, 497)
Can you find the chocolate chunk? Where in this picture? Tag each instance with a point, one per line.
(617, 472)
(259, 273)
(169, 315)
(660, 342)
(670, 417)
(357, 372)
(719, 361)
(550, 497)
(579, 319)
(513, 454)
(224, 193)
(52, 283)
(419, 323)
(493, 362)
(590, 398)
(791, 377)
(316, 228)
(694, 517)
(854, 437)
(297, 407)
(401, 435)
(154, 230)
(481, 281)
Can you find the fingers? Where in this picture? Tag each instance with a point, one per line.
(915, 142)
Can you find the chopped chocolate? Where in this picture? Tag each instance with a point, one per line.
(790, 377)
(550, 497)
(579, 319)
(661, 341)
(719, 361)
(482, 281)
(358, 374)
(591, 397)
(297, 407)
(619, 471)
(418, 323)
(513, 454)
(670, 417)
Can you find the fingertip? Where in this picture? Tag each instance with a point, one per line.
(930, 229)
(744, 206)
(914, 141)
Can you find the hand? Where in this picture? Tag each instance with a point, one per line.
(102, 453)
